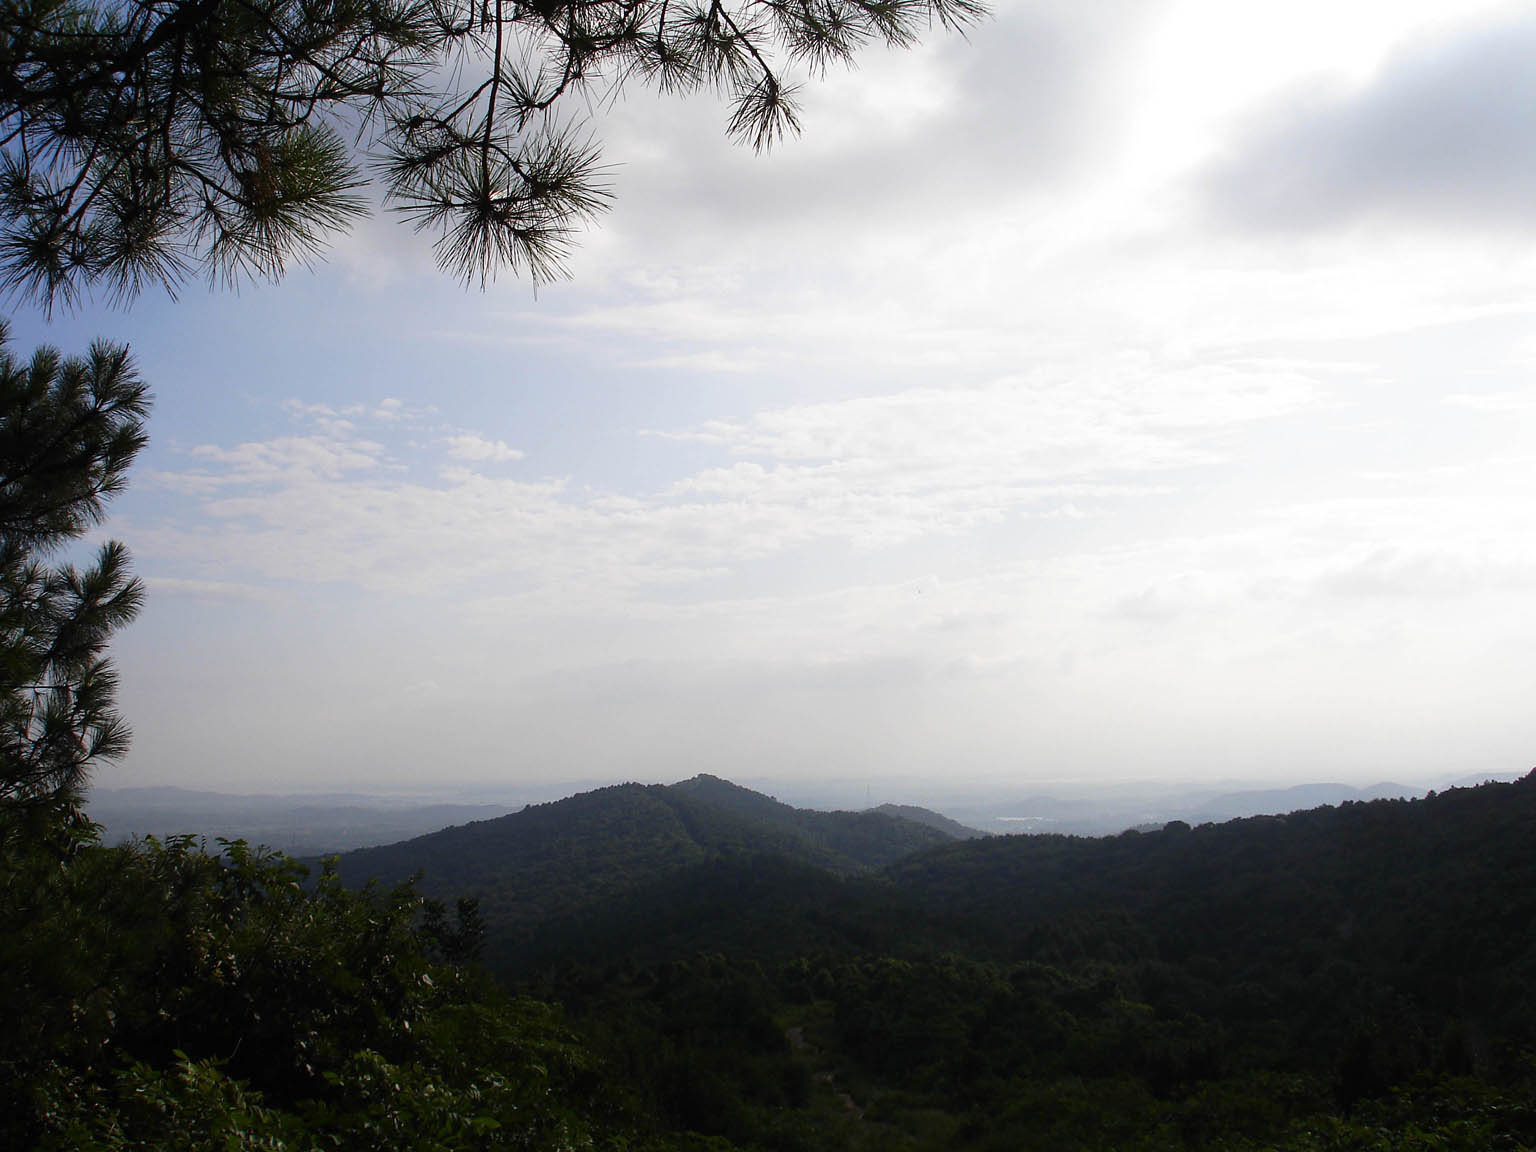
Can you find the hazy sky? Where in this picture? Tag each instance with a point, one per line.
(1139, 389)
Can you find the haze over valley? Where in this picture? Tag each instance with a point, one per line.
(319, 824)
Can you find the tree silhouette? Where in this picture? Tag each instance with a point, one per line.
(69, 429)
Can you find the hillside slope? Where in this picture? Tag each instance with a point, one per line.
(550, 860)
(933, 819)
(1307, 923)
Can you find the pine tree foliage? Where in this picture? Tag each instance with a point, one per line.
(147, 140)
(69, 429)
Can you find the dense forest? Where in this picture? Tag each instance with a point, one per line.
(1343, 977)
(699, 967)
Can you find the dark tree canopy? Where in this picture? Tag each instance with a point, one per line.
(69, 429)
(149, 140)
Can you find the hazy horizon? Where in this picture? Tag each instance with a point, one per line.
(853, 792)
(1131, 392)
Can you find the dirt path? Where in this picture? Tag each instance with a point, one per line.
(827, 1076)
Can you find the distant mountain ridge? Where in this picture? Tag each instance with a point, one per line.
(551, 859)
(1297, 798)
(296, 824)
(933, 819)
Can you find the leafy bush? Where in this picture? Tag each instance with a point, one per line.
(161, 996)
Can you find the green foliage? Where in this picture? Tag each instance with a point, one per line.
(69, 429)
(691, 1046)
(186, 1106)
(172, 998)
(1455, 1115)
(460, 942)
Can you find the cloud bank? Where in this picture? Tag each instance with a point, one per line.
(1443, 135)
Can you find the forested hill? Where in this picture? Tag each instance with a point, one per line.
(1311, 918)
(933, 819)
(1434, 898)
(549, 859)
(1419, 869)
(1359, 978)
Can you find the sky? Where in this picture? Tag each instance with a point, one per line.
(1126, 391)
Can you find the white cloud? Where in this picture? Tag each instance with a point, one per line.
(473, 447)
(876, 472)
(286, 460)
(1494, 403)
